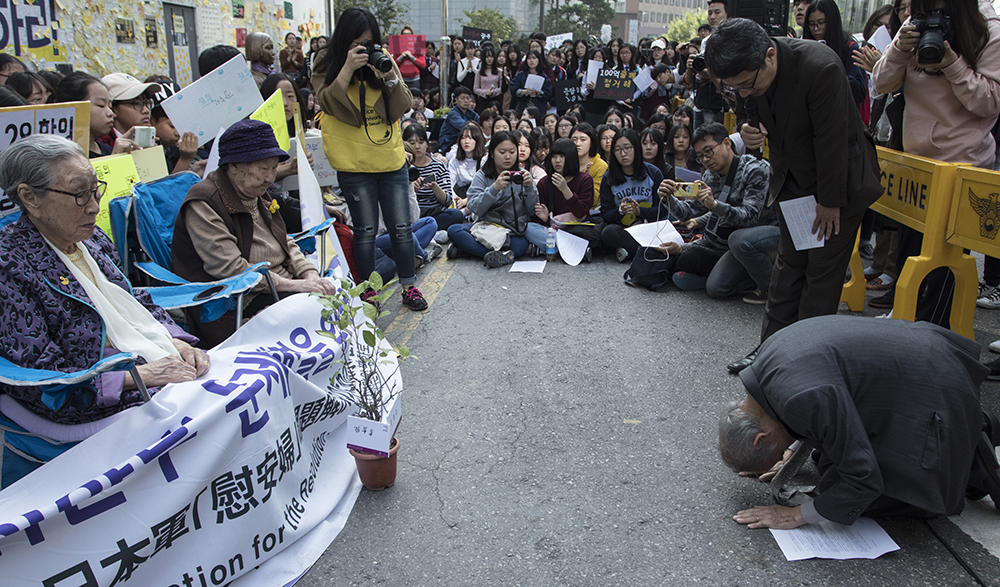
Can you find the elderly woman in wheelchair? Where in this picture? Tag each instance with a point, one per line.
(228, 223)
(67, 303)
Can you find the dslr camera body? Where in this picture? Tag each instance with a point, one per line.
(934, 29)
(517, 177)
(376, 58)
(698, 62)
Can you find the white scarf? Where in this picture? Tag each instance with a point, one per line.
(130, 326)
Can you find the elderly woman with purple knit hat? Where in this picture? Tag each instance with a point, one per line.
(228, 222)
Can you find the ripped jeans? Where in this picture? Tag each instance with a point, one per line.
(364, 193)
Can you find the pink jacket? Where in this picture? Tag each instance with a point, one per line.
(949, 113)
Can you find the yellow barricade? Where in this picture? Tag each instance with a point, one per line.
(729, 121)
(853, 293)
(919, 193)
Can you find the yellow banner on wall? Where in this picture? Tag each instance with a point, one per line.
(120, 173)
(273, 113)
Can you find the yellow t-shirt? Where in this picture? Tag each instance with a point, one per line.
(596, 170)
(375, 149)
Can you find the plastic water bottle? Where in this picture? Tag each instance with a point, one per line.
(550, 245)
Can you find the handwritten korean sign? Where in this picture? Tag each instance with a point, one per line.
(613, 84)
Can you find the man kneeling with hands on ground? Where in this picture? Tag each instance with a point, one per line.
(896, 434)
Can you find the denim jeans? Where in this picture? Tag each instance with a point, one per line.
(461, 237)
(747, 264)
(364, 193)
(445, 218)
(538, 235)
(423, 231)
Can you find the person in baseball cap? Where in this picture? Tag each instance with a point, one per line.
(130, 101)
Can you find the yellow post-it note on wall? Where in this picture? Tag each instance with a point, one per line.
(272, 111)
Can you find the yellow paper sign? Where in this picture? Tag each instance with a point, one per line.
(150, 163)
(120, 173)
(272, 111)
(68, 119)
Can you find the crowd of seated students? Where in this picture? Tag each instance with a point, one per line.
(504, 169)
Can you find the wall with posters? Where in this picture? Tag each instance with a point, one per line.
(101, 38)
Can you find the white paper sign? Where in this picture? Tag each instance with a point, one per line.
(654, 234)
(557, 40)
(863, 539)
(593, 68)
(881, 38)
(527, 267)
(224, 96)
(534, 82)
(326, 175)
(799, 215)
(643, 79)
(571, 247)
(213, 155)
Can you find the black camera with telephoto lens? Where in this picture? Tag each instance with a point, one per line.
(934, 29)
(378, 59)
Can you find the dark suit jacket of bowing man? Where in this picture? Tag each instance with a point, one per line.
(892, 406)
(818, 146)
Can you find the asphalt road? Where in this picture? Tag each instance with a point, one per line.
(560, 429)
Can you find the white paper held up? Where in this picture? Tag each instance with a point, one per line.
(571, 247)
(534, 82)
(686, 174)
(864, 539)
(654, 234)
(224, 96)
(800, 214)
(881, 39)
(593, 68)
(213, 156)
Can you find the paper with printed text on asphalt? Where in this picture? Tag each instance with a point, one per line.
(864, 539)
(799, 215)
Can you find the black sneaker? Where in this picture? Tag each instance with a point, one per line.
(414, 300)
(757, 297)
(496, 259)
(994, 367)
(866, 250)
(588, 255)
(533, 251)
(369, 296)
(883, 301)
(454, 252)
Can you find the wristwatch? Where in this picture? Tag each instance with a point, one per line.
(391, 83)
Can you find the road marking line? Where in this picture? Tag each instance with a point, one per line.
(405, 324)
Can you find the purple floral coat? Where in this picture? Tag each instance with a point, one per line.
(47, 322)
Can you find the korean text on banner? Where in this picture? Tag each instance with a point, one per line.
(224, 96)
(213, 478)
(120, 173)
(273, 113)
(150, 163)
(415, 44)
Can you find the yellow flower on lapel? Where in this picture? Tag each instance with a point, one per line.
(273, 207)
(63, 280)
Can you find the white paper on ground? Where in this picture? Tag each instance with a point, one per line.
(686, 175)
(799, 215)
(654, 234)
(213, 156)
(593, 67)
(881, 38)
(534, 82)
(527, 267)
(571, 247)
(864, 539)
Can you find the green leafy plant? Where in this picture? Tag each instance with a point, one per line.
(442, 112)
(365, 347)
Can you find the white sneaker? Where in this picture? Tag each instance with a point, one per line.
(433, 250)
(984, 290)
(441, 237)
(990, 301)
(887, 315)
(995, 346)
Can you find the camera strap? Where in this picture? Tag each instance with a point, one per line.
(364, 116)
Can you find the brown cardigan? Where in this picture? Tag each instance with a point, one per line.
(391, 105)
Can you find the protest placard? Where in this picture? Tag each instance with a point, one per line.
(325, 173)
(224, 96)
(415, 44)
(272, 111)
(614, 84)
(120, 174)
(568, 92)
(476, 36)
(554, 41)
(150, 163)
(68, 119)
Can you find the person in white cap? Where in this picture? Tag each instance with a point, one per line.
(131, 102)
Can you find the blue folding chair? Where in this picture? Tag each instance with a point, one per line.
(21, 452)
(149, 214)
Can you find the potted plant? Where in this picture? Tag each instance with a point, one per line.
(369, 378)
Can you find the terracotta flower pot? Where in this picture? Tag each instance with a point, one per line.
(377, 473)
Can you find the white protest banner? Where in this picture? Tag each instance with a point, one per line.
(224, 96)
(209, 480)
(556, 40)
(326, 175)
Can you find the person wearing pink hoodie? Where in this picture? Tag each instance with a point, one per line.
(952, 103)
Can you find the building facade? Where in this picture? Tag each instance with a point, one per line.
(425, 15)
